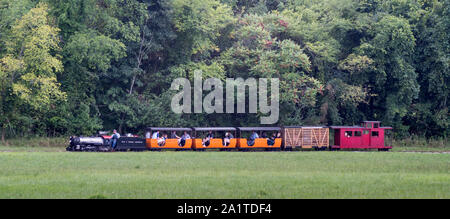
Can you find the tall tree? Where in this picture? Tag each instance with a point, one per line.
(30, 65)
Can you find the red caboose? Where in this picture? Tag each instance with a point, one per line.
(369, 135)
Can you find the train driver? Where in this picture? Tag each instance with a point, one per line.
(114, 138)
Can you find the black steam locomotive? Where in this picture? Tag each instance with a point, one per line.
(102, 143)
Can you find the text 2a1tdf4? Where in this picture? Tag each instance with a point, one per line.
(246, 209)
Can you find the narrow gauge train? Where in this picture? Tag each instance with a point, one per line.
(370, 135)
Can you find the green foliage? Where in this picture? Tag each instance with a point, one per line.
(94, 52)
(29, 68)
(78, 66)
(199, 22)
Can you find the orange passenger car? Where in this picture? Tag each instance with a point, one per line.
(173, 140)
(262, 140)
(214, 137)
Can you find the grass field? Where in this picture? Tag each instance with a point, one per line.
(224, 175)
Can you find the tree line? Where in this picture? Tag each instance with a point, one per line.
(74, 67)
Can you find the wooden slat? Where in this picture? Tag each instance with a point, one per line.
(306, 137)
(299, 136)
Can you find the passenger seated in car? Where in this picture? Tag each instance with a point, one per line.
(182, 140)
(174, 135)
(271, 140)
(162, 140)
(156, 135)
(264, 135)
(207, 140)
(251, 140)
(227, 138)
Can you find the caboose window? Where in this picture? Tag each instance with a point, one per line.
(369, 125)
(366, 132)
(376, 125)
(375, 134)
(348, 133)
(357, 134)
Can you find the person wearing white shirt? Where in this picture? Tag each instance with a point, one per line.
(155, 135)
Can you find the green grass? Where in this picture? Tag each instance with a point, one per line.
(415, 143)
(224, 175)
(34, 144)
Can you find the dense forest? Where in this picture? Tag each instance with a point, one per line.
(78, 66)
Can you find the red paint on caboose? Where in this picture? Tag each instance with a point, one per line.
(369, 135)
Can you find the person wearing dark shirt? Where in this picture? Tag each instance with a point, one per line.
(264, 135)
(174, 135)
(271, 140)
(207, 139)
